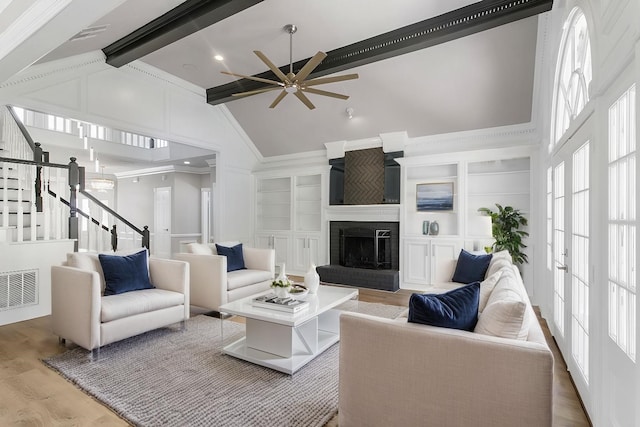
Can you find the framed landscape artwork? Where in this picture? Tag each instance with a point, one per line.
(436, 196)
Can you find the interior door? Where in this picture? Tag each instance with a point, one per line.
(571, 229)
(161, 241)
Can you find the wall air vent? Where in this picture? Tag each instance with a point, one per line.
(18, 289)
(89, 32)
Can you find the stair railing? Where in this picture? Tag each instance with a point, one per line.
(99, 228)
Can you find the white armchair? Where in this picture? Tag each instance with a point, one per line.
(212, 285)
(82, 314)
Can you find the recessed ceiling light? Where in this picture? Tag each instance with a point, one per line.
(218, 58)
(187, 162)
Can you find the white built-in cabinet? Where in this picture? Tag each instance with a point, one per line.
(480, 179)
(429, 260)
(289, 219)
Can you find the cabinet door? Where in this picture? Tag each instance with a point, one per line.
(300, 254)
(443, 260)
(263, 241)
(306, 250)
(274, 241)
(416, 262)
(281, 245)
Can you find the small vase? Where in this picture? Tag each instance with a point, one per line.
(282, 276)
(311, 279)
(434, 228)
(281, 292)
(425, 227)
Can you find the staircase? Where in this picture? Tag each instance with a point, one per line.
(37, 203)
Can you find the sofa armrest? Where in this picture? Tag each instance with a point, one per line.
(207, 279)
(76, 305)
(398, 373)
(171, 275)
(260, 259)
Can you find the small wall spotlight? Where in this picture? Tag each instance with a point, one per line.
(349, 112)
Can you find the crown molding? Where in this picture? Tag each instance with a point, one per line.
(158, 170)
(30, 21)
(504, 136)
(57, 67)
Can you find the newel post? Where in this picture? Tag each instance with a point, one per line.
(145, 238)
(38, 157)
(114, 239)
(74, 182)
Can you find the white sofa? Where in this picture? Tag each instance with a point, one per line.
(80, 313)
(212, 285)
(393, 372)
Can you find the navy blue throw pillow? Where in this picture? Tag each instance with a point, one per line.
(235, 259)
(471, 268)
(125, 273)
(456, 309)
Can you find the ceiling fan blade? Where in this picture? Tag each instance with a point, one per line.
(278, 99)
(309, 66)
(258, 79)
(323, 80)
(301, 96)
(325, 93)
(271, 66)
(254, 92)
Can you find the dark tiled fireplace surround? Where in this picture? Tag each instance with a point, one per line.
(363, 253)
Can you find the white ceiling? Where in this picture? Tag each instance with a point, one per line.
(480, 81)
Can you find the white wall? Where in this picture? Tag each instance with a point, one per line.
(33, 256)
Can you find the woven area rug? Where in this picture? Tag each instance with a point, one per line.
(171, 378)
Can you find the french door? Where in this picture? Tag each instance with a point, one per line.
(570, 252)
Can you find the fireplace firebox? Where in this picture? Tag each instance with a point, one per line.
(365, 248)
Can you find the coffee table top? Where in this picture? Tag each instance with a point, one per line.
(325, 299)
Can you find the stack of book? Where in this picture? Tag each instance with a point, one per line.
(288, 305)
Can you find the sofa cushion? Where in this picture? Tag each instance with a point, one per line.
(114, 307)
(241, 278)
(199, 249)
(456, 309)
(235, 258)
(503, 319)
(505, 314)
(471, 268)
(486, 287)
(499, 260)
(125, 273)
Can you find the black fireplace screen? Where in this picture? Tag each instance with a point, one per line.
(365, 248)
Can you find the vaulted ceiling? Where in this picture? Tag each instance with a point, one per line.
(473, 75)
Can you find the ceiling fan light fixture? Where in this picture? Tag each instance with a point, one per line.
(295, 83)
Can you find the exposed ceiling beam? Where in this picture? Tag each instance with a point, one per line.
(452, 25)
(181, 21)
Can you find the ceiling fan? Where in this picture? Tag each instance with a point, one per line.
(294, 83)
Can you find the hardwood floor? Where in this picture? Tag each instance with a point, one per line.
(33, 395)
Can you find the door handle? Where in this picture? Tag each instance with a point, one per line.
(562, 267)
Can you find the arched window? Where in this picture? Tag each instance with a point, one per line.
(573, 74)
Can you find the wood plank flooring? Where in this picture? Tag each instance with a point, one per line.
(33, 395)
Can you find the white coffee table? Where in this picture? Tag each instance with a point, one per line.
(283, 341)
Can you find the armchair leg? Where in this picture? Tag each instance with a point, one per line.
(95, 354)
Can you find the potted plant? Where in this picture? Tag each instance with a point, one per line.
(506, 223)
